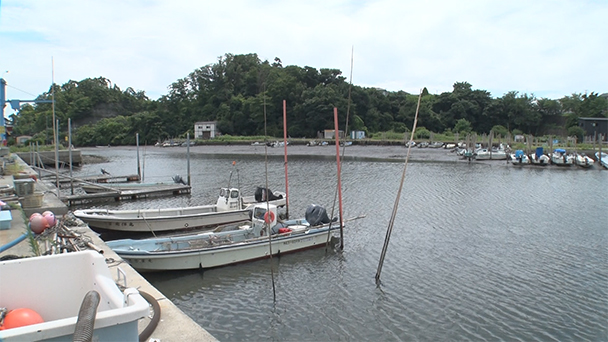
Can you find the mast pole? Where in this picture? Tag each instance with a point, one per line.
(285, 144)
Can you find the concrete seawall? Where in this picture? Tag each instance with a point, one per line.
(174, 324)
(48, 157)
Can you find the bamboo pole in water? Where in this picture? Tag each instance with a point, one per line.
(339, 177)
(137, 147)
(396, 206)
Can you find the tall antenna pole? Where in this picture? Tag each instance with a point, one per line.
(55, 127)
(274, 291)
(70, 152)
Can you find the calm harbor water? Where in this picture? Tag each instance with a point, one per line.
(478, 252)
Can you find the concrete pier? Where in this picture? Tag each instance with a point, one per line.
(174, 324)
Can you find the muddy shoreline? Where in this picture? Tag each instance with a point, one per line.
(357, 152)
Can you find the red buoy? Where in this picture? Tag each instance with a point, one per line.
(21, 317)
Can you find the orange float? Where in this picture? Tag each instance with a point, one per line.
(20, 317)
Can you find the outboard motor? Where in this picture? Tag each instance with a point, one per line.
(178, 180)
(316, 215)
(260, 195)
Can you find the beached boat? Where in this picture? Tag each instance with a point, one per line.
(519, 158)
(559, 157)
(229, 207)
(602, 159)
(583, 160)
(487, 154)
(539, 158)
(245, 243)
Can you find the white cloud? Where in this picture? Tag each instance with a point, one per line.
(549, 48)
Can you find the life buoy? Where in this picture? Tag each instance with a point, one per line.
(269, 217)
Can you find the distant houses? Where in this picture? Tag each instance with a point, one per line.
(593, 127)
(330, 134)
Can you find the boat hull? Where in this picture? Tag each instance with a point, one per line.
(222, 255)
(604, 159)
(160, 220)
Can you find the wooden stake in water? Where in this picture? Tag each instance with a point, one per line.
(339, 178)
(188, 156)
(396, 206)
(137, 146)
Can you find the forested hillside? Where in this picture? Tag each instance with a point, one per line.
(239, 91)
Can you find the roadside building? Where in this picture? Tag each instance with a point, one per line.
(23, 139)
(331, 134)
(205, 130)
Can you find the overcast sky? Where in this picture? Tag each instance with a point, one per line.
(546, 48)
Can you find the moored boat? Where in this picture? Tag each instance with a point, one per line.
(245, 243)
(583, 160)
(559, 157)
(229, 207)
(490, 154)
(602, 159)
(519, 158)
(539, 158)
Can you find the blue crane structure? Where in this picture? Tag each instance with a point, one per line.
(15, 104)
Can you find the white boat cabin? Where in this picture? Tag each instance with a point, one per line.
(229, 199)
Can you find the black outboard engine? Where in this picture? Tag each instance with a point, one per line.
(316, 215)
(178, 180)
(260, 195)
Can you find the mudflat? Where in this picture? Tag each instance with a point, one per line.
(376, 152)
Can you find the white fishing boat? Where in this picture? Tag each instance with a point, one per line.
(245, 243)
(559, 157)
(602, 159)
(583, 160)
(229, 207)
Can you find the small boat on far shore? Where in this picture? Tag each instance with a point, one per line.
(519, 158)
(490, 154)
(583, 160)
(559, 157)
(602, 159)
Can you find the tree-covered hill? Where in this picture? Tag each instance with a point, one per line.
(242, 93)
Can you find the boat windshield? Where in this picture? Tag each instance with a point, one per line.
(234, 193)
(223, 192)
(258, 213)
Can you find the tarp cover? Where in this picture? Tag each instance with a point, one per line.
(260, 195)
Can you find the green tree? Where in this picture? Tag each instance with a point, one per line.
(462, 127)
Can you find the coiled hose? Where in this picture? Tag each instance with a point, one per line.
(88, 310)
(145, 334)
(86, 317)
